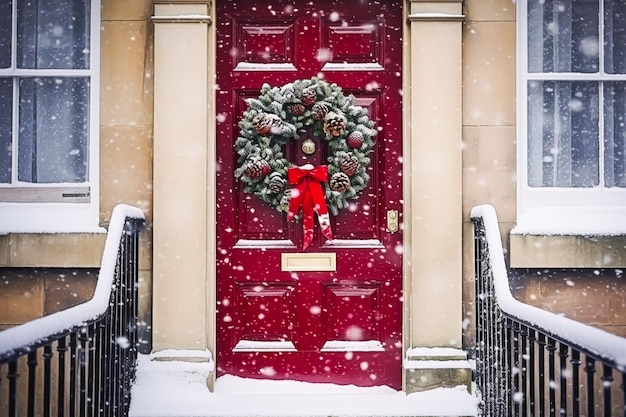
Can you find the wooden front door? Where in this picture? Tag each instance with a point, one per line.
(331, 312)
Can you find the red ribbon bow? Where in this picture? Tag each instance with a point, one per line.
(309, 195)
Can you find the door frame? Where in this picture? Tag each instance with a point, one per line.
(432, 132)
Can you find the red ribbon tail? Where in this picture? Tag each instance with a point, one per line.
(308, 220)
(309, 195)
(324, 220)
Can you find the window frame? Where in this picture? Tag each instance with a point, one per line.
(57, 207)
(559, 210)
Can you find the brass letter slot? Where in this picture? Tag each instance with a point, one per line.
(308, 262)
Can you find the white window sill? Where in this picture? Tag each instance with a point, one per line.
(48, 218)
(569, 221)
(566, 237)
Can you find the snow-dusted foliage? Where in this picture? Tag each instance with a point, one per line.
(284, 113)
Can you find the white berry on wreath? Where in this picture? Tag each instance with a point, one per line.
(279, 115)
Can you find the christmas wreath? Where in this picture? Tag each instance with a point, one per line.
(280, 114)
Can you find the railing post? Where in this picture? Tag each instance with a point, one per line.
(563, 354)
(74, 367)
(516, 370)
(32, 382)
(84, 366)
(12, 376)
(47, 357)
(93, 371)
(541, 342)
(508, 360)
(551, 375)
(61, 349)
(607, 382)
(623, 387)
(523, 392)
(575, 361)
(532, 338)
(590, 369)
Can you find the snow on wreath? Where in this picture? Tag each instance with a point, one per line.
(280, 114)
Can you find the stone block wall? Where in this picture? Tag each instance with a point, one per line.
(29, 293)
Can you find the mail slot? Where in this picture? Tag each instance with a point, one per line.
(293, 262)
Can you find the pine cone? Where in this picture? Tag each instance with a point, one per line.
(308, 97)
(257, 168)
(355, 139)
(349, 165)
(264, 122)
(339, 182)
(276, 183)
(296, 109)
(319, 111)
(334, 124)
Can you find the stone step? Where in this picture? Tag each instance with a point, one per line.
(179, 388)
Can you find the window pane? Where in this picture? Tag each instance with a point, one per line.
(615, 37)
(563, 134)
(5, 33)
(6, 112)
(615, 134)
(53, 34)
(563, 36)
(53, 130)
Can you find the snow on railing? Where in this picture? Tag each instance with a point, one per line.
(100, 335)
(513, 340)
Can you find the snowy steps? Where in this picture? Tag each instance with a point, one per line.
(179, 389)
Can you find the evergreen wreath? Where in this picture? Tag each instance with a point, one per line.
(278, 115)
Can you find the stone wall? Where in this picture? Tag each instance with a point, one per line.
(29, 293)
(596, 297)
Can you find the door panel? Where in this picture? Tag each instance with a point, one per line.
(342, 325)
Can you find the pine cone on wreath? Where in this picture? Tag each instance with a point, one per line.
(349, 165)
(355, 139)
(339, 182)
(257, 168)
(319, 111)
(264, 122)
(296, 109)
(308, 97)
(334, 124)
(276, 183)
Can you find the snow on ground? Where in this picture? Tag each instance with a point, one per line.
(176, 388)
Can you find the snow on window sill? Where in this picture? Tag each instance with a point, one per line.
(435, 364)
(48, 218)
(567, 221)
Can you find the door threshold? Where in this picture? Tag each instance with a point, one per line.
(177, 388)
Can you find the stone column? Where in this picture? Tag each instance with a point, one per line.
(182, 126)
(434, 185)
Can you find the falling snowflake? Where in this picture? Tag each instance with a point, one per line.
(268, 371)
(122, 342)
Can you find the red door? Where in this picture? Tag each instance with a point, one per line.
(330, 312)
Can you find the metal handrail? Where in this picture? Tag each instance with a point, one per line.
(88, 351)
(514, 340)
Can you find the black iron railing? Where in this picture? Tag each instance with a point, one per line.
(531, 362)
(80, 361)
